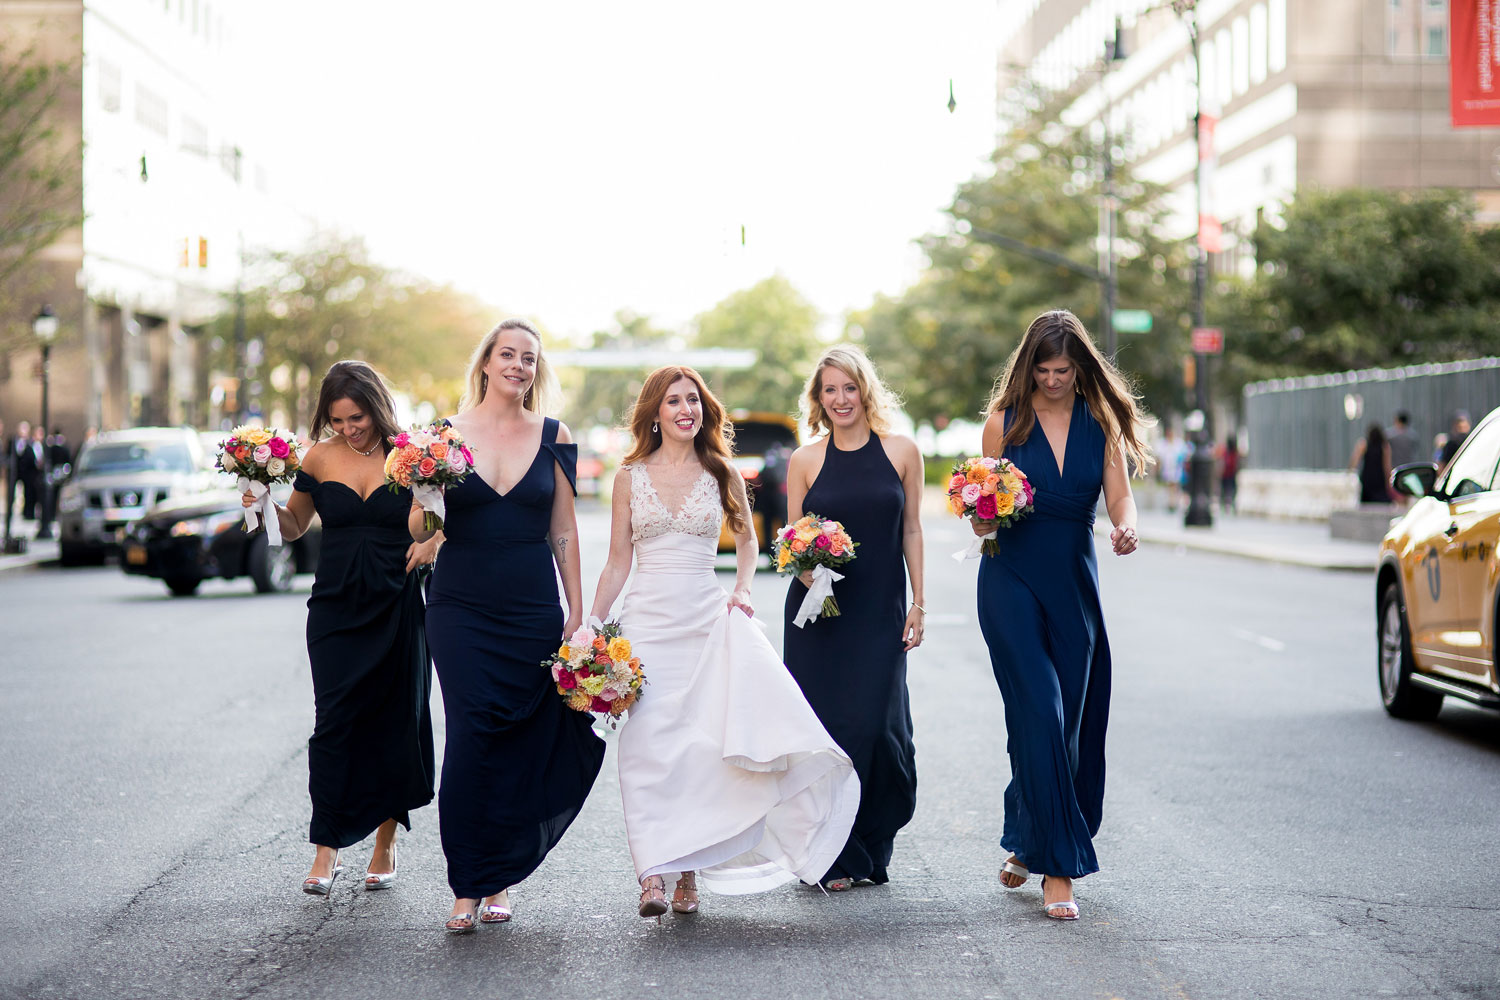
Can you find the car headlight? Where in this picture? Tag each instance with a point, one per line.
(70, 499)
(206, 527)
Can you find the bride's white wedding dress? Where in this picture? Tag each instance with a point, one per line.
(724, 768)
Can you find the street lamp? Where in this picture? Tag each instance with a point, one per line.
(1108, 208)
(1201, 466)
(44, 326)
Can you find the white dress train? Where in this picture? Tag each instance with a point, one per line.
(724, 768)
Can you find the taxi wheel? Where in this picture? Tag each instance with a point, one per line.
(1403, 700)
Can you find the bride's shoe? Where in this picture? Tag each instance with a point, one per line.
(382, 880)
(685, 898)
(653, 897)
(315, 886)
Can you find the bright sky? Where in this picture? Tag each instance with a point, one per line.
(567, 160)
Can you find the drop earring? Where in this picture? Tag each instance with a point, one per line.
(653, 427)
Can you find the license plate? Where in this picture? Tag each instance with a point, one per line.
(135, 555)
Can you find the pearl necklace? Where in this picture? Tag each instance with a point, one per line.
(356, 451)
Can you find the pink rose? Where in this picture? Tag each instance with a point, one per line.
(988, 463)
(401, 440)
(262, 454)
(279, 448)
(970, 493)
(608, 694)
(956, 483)
(986, 509)
(468, 455)
(583, 637)
(821, 541)
(789, 533)
(426, 468)
(456, 461)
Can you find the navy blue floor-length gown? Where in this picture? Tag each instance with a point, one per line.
(852, 668)
(370, 755)
(1040, 614)
(517, 763)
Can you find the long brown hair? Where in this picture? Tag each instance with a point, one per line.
(362, 385)
(543, 389)
(1109, 395)
(714, 441)
(878, 400)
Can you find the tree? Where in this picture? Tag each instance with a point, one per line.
(40, 181)
(1362, 278)
(777, 321)
(944, 340)
(598, 396)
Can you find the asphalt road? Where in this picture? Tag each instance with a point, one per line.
(1268, 832)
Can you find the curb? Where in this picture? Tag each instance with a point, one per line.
(1285, 554)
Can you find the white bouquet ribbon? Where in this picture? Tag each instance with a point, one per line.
(431, 499)
(973, 549)
(821, 590)
(263, 509)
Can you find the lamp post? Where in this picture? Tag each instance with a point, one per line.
(44, 326)
(1109, 210)
(1201, 466)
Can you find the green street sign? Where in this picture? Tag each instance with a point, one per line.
(1132, 321)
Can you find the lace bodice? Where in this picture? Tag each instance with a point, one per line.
(701, 512)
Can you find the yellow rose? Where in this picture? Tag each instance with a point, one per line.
(1004, 503)
(1012, 482)
(783, 556)
(563, 652)
(619, 649)
(258, 436)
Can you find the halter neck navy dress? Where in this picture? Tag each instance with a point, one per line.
(370, 755)
(852, 668)
(1040, 614)
(517, 763)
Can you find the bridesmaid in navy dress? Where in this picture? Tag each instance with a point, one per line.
(369, 759)
(852, 668)
(517, 763)
(1066, 418)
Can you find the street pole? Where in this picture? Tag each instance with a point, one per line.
(1115, 52)
(45, 328)
(1200, 470)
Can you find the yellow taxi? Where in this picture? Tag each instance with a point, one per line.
(1436, 583)
(763, 442)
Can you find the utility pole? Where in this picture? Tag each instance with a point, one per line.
(1200, 470)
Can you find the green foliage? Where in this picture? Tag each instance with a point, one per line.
(1364, 278)
(40, 182)
(943, 342)
(781, 324)
(603, 396)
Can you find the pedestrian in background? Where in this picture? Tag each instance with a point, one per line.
(852, 668)
(1171, 458)
(1067, 419)
(1458, 430)
(1371, 459)
(26, 469)
(370, 759)
(1402, 441)
(518, 762)
(1229, 472)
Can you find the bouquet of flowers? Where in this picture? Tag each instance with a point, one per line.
(818, 544)
(260, 457)
(595, 672)
(428, 460)
(991, 489)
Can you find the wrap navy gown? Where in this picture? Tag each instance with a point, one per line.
(1040, 614)
(852, 668)
(370, 755)
(517, 763)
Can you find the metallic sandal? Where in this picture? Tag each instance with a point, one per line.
(383, 880)
(314, 886)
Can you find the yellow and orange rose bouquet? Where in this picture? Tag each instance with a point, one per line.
(428, 460)
(595, 672)
(260, 457)
(818, 544)
(990, 489)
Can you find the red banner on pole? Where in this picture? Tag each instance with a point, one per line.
(1474, 63)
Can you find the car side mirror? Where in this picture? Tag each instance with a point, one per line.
(1415, 480)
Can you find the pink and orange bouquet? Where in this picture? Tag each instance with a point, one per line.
(818, 544)
(260, 457)
(595, 672)
(428, 460)
(990, 489)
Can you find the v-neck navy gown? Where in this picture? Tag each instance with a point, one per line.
(370, 755)
(517, 763)
(1040, 614)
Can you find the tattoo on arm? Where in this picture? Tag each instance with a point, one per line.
(562, 551)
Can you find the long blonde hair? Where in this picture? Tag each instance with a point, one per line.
(544, 388)
(713, 443)
(878, 400)
(1110, 398)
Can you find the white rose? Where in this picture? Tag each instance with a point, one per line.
(275, 467)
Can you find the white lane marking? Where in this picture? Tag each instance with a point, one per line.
(1263, 641)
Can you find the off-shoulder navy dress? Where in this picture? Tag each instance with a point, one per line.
(852, 668)
(518, 763)
(370, 755)
(1040, 614)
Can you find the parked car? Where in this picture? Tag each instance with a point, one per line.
(119, 475)
(185, 541)
(1437, 580)
(763, 443)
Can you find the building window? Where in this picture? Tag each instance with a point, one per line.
(1224, 80)
(1258, 43)
(1241, 31)
(109, 85)
(150, 110)
(1276, 47)
(1437, 43)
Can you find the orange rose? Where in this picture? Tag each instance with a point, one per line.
(799, 546)
(600, 645)
(438, 450)
(426, 468)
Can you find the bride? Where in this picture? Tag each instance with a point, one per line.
(724, 769)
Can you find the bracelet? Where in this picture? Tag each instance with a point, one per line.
(919, 607)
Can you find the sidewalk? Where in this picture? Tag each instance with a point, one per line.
(36, 552)
(1297, 543)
